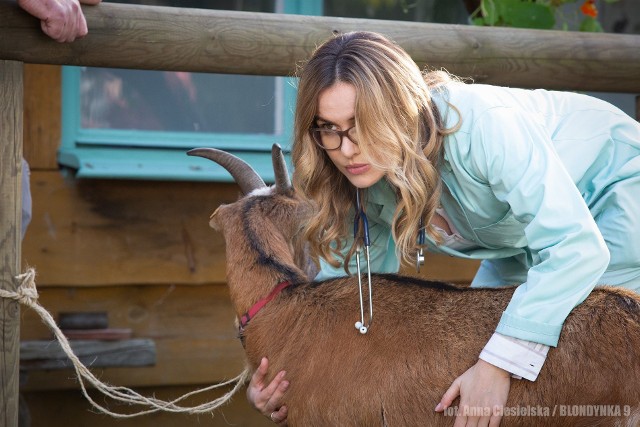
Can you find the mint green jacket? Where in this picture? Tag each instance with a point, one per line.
(547, 184)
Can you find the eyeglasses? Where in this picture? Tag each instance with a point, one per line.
(331, 139)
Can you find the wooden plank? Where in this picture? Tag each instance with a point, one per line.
(109, 232)
(69, 407)
(45, 354)
(192, 328)
(106, 232)
(272, 44)
(107, 334)
(11, 94)
(42, 109)
(83, 320)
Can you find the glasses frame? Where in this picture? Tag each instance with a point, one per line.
(340, 133)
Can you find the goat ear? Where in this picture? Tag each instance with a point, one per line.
(213, 220)
(283, 183)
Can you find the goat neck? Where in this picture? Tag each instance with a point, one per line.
(260, 252)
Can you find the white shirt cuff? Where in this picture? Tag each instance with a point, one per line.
(523, 359)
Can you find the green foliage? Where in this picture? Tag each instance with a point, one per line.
(590, 24)
(538, 14)
(515, 13)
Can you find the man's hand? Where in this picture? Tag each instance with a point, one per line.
(62, 20)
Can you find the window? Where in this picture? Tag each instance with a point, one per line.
(121, 123)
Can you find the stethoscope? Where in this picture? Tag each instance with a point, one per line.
(361, 217)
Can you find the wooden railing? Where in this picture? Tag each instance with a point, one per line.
(145, 37)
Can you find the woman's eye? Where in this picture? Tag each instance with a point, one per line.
(328, 126)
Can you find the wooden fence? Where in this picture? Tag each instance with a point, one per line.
(160, 38)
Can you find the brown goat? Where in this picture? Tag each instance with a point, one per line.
(424, 335)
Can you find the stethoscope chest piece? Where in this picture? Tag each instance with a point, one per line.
(419, 259)
(363, 329)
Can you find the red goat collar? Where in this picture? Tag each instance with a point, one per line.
(255, 308)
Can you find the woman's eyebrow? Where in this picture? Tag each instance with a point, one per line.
(318, 118)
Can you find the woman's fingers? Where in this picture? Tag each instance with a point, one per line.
(267, 398)
(449, 396)
(280, 416)
(270, 398)
(260, 374)
(277, 392)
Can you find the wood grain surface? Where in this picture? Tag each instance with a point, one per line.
(162, 38)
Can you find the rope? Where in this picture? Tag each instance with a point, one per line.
(26, 294)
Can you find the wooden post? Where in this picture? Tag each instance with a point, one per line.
(11, 94)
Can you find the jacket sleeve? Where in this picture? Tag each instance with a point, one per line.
(514, 156)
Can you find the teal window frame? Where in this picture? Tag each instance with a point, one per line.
(160, 155)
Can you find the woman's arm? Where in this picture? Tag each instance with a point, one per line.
(514, 156)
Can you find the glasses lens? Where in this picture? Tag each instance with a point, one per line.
(326, 138)
(353, 134)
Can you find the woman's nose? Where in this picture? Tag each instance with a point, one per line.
(348, 148)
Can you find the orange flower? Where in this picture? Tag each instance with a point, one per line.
(589, 8)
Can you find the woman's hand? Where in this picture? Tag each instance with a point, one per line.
(483, 392)
(268, 398)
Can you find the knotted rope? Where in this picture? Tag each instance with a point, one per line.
(26, 294)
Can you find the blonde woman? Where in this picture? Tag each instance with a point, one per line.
(540, 185)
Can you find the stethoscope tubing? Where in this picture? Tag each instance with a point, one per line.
(361, 217)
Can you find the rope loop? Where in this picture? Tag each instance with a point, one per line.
(27, 294)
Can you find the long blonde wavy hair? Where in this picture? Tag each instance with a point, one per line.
(400, 131)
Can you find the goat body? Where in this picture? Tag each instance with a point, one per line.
(424, 334)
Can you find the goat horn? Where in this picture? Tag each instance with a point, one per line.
(244, 175)
(283, 183)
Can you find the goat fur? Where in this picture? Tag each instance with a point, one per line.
(424, 334)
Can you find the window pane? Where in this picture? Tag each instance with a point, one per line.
(177, 101)
(182, 101)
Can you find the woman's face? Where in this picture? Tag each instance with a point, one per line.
(336, 110)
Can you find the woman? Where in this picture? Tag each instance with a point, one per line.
(542, 186)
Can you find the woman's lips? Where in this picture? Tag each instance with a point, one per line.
(358, 169)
